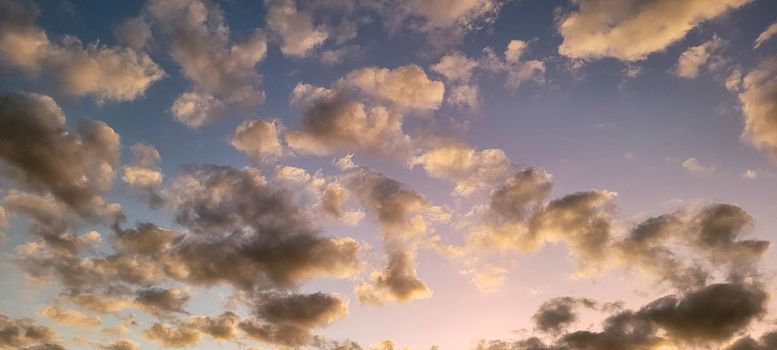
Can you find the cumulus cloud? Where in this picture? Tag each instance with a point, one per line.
(468, 168)
(233, 216)
(288, 320)
(122, 344)
(143, 173)
(258, 138)
(161, 302)
(363, 112)
(76, 168)
(24, 332)
(759, 106)
(632, 30)
(708, 315)
(767, 341)
(224, 75)
(107, 73)
(298, 34)
(170, 336)
(398, 281)
(455, 67)
(696, 57)
(70, 317)
(556, 314)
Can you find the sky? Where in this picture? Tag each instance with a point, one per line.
(381, 175)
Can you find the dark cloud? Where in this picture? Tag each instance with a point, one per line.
(767, 341)
(24, 332)
(287, 320)
(162, 302)
(76, 169)
(397, 281)
(237, 219)
(556, 314)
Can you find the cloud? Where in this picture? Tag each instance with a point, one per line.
(708, 315)
(107, 73)
(468, 168)
(456, 67)
(76, 168)
(333, 123)
(258, 138)
(363, 111)
(632, 30)
(24, 332)
(135, 33)
(143, 174)
(70, 317)
(162, 302)
(767, 34)
(767, 341)
(406, 87)
(759, 106)
(232, 215)
(170, 336)
(398, 281)
(122, 344)
(224, 75)
(693, 166)
(288, 320)
(554, 315)
(696, 57)
(298, 33)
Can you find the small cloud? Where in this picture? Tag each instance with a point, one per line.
(695, 167)
(750, 174)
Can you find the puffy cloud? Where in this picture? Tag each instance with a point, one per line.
(706, 316)
(224, 75)
(24, 332)
(76, 168)
(161, 302)
(122, 344)
(258, 138)
(288, 320)
(362, 111)
(295, 27)
(631, 30)
(406, 87)
(468, 168)
(333, 123)
(196, 109)
(398, 281)
(759, 106)
(456, 67)
(767, 34)
(695, 57)
(108, 74)
(143, 174)
(170, 336)
(581, 220)
(234, 216)
(70, 317)
(767, 341)
(554, 315)
(693, 166)
(715, 312)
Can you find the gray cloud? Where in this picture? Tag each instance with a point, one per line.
(24, 332)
